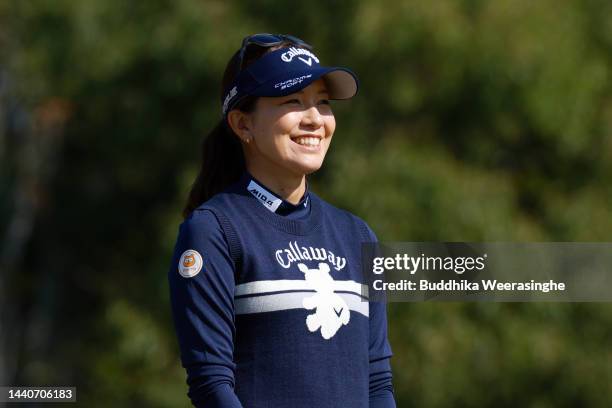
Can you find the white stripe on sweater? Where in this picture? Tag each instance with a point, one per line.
(266, 286)
(293, 300)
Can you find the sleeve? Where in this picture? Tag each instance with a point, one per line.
(201, 281)
(381, 386)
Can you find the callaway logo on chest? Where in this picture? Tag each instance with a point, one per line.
(295, 253)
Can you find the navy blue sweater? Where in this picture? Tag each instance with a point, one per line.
(269, 306)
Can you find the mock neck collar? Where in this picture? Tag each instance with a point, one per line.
(272, 201)
(300, 223)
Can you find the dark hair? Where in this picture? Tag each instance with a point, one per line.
(222, 157)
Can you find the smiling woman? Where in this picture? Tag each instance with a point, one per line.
(290, 135)
(267, 294)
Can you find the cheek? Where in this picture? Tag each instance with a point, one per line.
(269, 123)
(285, 124)
(330, 125)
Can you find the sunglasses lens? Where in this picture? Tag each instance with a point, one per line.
(264, 39)
(268, 40)
(297, 41)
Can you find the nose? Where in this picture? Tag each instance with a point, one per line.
(312, 117)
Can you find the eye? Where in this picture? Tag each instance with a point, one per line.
(291, 101)
(324, 102)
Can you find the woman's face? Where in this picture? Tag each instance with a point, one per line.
(290, 133)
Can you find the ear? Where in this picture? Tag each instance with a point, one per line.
(241, 124)
(323, 267)
(303, 267)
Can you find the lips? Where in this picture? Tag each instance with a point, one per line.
(307, 140)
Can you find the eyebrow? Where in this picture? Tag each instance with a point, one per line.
(318, 93)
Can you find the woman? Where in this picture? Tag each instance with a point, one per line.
(265, 280)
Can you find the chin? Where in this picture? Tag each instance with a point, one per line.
(307, 168)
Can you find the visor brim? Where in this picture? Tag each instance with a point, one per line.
(341, 83)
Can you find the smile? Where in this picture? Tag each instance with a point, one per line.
(307, 141)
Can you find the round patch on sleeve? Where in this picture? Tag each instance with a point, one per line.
(190, 263)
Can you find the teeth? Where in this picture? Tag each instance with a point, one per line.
(308, 141)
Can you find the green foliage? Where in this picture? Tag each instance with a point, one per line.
(474, 121)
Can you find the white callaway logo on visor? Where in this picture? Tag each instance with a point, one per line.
(296, 52)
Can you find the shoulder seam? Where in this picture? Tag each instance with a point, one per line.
(235, 249)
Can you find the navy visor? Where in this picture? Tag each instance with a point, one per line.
(285, 71)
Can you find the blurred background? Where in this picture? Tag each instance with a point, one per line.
(475, 120)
